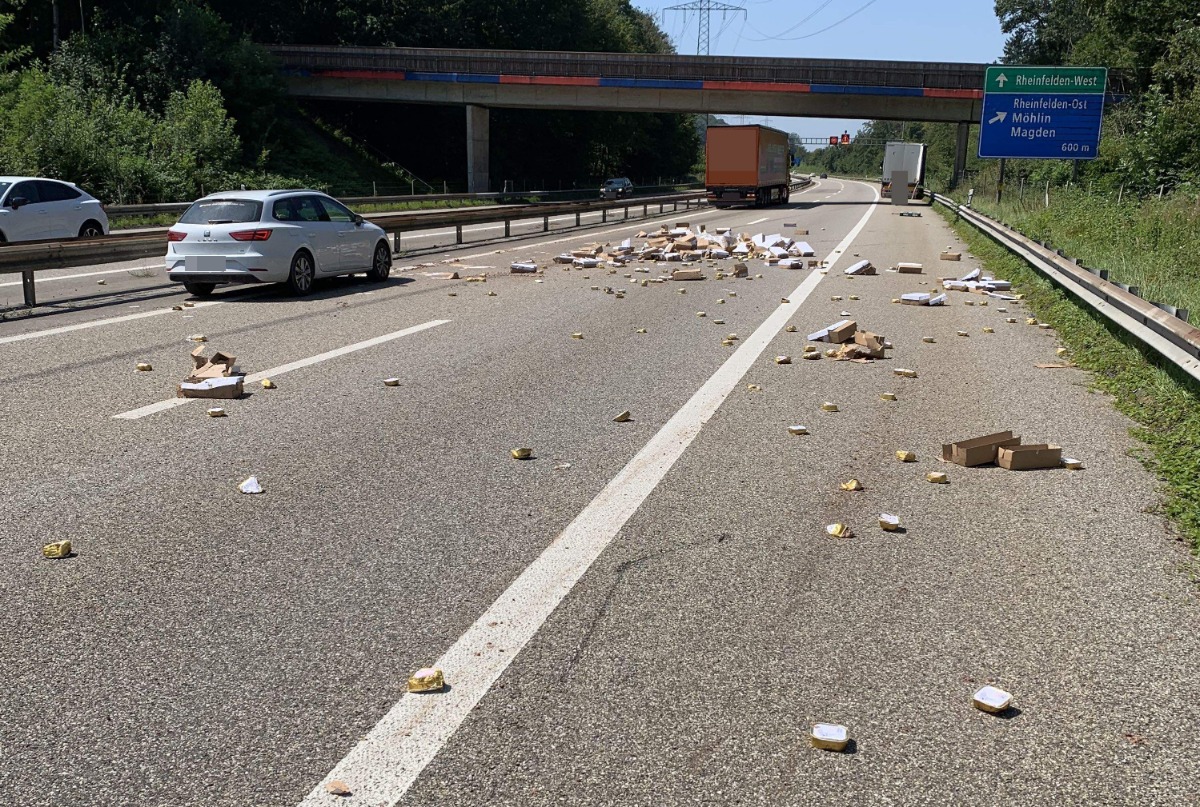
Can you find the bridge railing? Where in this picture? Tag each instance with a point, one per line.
(636, 65)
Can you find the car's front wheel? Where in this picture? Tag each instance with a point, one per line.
(381, 264)
(200, 289)
(91, 229)
(300, 278)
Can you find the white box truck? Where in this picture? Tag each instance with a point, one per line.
(907, 157)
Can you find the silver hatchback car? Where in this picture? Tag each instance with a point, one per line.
(291, 237)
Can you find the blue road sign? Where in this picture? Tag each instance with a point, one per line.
(1051, 113)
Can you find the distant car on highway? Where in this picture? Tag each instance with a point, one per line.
(34, 209)
(283, 236)
(616, 188)
(824, 176)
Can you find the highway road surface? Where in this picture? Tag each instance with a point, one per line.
(645, 613)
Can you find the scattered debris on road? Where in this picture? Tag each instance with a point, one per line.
(144, 367)
(624, 417)
(338, 788)
(522, 453)
(889, 522)
(906, 456)
(798, 430)
(830, 737)
(840, 531)
(978, 450)
(250, 485)
(391, 382)
(937, 478)
(215, 411)
(56, 550)
(427, 679)
(852, 485)
(992, 700)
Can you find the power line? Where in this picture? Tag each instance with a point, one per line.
(705, 9)
(780, 38)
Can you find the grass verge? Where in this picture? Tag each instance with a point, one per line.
(1163, 401)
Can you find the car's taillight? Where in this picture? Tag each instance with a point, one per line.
(175, 235)
(251, 235)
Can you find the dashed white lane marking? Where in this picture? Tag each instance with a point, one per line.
(756, 221)
(171, 403)
(381, 768)
(21, 337)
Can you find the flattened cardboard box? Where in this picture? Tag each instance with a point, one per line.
(211, 388)
(1025, 458)
(978, 451)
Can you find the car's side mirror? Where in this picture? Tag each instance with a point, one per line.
(358, 220)
(17, 202)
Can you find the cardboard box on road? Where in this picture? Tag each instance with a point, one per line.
(979, 450)
(910, 268)
(1026, 458)
(870, 343)
(211, 388)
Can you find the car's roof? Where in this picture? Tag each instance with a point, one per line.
(47, 179)
(259, 196)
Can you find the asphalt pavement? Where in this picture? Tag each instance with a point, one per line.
(205, 647)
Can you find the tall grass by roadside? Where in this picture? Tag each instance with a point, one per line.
(1150, 243)
(1163, 401)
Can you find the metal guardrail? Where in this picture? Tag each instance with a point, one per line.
(354, 201)
(1154, 324)
(29, 258)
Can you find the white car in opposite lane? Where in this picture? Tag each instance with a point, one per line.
(282, 236)
(36, 209)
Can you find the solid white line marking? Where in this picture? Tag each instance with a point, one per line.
(84, 274)
(381, 768)
(171, 403)
(756, 221)
(21, 337)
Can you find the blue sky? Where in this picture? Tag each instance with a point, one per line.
(932, 30)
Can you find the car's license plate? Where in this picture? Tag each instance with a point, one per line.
(204, 263)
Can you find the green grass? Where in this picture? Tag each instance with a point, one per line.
(1149, 243)
(1163, 401)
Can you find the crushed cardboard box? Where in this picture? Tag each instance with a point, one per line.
(211, 377)
(861, 268)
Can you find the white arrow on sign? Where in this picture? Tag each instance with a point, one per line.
(998, 117)
(1001, 80)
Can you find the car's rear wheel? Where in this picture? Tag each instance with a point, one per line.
(381, 264)
(200, 289)
(300, 278)
(91, 229)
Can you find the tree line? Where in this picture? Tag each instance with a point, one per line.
(149, 100)
(1151, 136)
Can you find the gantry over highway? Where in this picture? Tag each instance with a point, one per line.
(637, 82)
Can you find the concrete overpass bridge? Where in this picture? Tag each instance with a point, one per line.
(636, 82)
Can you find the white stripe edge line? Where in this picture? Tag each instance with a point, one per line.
(383, 765)
(96, 323)
(171, 403)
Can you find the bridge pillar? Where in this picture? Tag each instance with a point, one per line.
(477, 149)
(960, 154)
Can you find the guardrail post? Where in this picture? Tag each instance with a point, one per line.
(507, 228)
(458, 233)
(545, 224)
(576, 219)
(645, 210)
(627, 212)
(661, 208)
(395, 242)
(27, 287)
(604, 215)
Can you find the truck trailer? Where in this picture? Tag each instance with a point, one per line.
(746, 165)
(908, 157)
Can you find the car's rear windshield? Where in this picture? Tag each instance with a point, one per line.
(222, 211)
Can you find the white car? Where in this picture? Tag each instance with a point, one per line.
(291, 237)
(35, 209)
